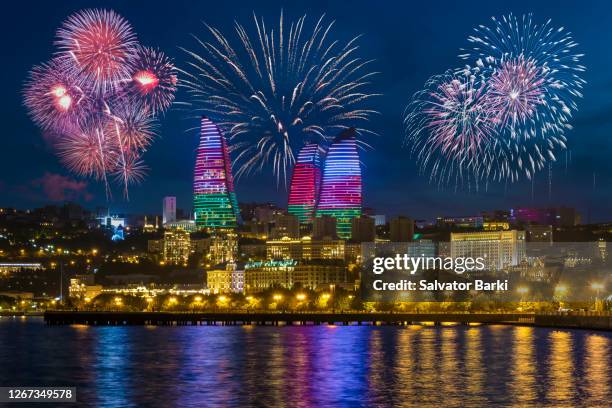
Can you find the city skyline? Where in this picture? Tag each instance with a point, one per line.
(392, 184)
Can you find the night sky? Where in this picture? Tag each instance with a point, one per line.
(409, 42)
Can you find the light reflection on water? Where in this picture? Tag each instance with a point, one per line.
(311, 366)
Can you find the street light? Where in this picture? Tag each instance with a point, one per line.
(301, 296)
(277, 297)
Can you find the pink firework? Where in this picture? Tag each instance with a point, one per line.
(516, 90)
(458, 120)
(56, 98)
(153, 79)
(101, 44)
(98, 99)
(90, 151)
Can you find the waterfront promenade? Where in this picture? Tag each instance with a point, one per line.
(562, 320)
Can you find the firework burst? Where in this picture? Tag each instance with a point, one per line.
(89, 151)
(273, 90)
(535, 74)
(101, 45)
(55, 98)
(450, 127)
(100, 96)
(153, 79)
(514, 121)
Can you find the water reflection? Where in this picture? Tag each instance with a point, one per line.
(562, 388)
(524, 387)
(597, 367)
(311, 366)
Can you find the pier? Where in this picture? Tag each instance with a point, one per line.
(94, 318)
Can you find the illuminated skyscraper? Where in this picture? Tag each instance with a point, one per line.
(341, 186)
(305, 183)
(215, 203)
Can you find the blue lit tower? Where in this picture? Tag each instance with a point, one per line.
(341, 186)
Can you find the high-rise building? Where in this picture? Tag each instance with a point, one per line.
(169, 209)
(215, 203)
(324, 227)
(401, 229)
(499, 249)
(363, 229)
(305, 183)
(341, 186)
(177, 247)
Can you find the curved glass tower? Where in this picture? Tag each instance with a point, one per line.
(214, 199)
(341, 186)
(305, 183)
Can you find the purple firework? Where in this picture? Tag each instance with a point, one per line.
(515, 91)
(56, 98)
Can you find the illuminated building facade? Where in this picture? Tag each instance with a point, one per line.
(341, 186)
(226, 280)
(215, 203)
(305, 183)
(304, 249)
(500, 249)
(223, 248)
(259, 276)
(177, 247)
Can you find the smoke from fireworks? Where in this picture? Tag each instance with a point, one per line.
(272, 91)
(530, 78)
(100, 96)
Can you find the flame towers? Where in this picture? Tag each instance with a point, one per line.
(341, 187)
(215, 203)
(305, 183)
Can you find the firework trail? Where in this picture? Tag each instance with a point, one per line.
(99, 97)
(514, 121)
(275, 89)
